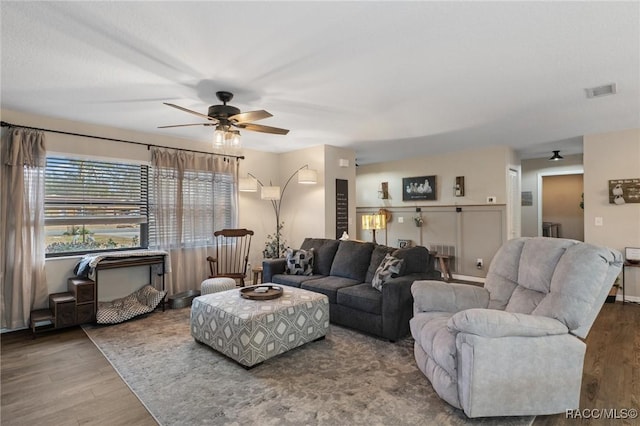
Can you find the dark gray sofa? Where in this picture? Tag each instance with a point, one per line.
(343, 271)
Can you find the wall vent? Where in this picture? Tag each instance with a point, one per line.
(596, 92)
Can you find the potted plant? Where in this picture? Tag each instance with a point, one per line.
(275, 246)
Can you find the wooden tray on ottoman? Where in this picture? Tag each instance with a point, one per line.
(272, 292)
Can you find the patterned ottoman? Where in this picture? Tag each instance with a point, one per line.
(252, 331)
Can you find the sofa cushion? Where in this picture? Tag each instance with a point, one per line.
(328, 286)
(416, 259)
(389, 268)
(325, 251)
(377, 256)
(352, 260)
(299, 262)
(362, 297)
(293, 280)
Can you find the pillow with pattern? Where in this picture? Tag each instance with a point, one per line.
(389, 268)
(299, 262)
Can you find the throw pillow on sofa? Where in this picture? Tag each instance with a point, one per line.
(299, 262)
(389, 268)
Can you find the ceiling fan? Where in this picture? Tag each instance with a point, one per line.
(224, 117)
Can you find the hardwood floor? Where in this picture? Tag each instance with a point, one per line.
(61, 378)
(611, 375)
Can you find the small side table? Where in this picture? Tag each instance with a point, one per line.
(626, 265)
(443, 260)
(257, 275)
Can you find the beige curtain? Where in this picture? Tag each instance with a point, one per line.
(24, 285)
(192, 196)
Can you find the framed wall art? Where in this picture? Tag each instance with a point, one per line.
(419, 188)
(623, 191)
(404, 243)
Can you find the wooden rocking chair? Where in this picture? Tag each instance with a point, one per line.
(231, 254)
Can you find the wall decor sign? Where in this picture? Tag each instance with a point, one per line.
(419, 188)
(342, 207)
(527, 198)
(622, 191)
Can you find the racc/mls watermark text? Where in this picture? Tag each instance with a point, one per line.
(602, 413)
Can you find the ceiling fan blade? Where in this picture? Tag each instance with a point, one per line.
(185, 125)
(263, 129)
(245, 117)
(189, 111)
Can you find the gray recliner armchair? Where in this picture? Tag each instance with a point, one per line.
(510, 348)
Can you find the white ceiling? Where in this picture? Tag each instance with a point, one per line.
(388, 79)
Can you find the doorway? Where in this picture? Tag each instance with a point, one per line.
(562, 211)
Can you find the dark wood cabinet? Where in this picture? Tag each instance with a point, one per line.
(73, 307)
(84, 292)
(63, 307)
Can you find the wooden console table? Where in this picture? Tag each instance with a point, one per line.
(126, 262)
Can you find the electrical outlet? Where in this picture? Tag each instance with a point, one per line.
(491, 200)
(400, 219)
(479, 263)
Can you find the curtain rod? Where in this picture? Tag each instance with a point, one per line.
(148, 145)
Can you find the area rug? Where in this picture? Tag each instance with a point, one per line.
(346, 379)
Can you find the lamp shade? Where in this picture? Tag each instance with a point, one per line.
(373, 221)
(308, 176)
(247, 184)
(270, 193)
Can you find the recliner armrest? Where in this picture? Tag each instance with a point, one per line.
(271, 267)
(494, 323)
(430, 296)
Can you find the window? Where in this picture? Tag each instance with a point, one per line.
(193, 204)
(94, 206)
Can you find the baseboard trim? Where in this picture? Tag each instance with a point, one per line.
(633, 299)
(468, 278)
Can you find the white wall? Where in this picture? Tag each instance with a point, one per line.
(614, 155)
(483, 170)
(333, 171)
(306, 210)
(254, 213)
(475, 232)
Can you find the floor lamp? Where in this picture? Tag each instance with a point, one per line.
(273, 193)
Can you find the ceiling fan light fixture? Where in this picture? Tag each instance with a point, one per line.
(234, 138)
(218, 137)
(556, 156)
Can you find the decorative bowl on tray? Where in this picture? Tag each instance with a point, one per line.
(261, 292)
